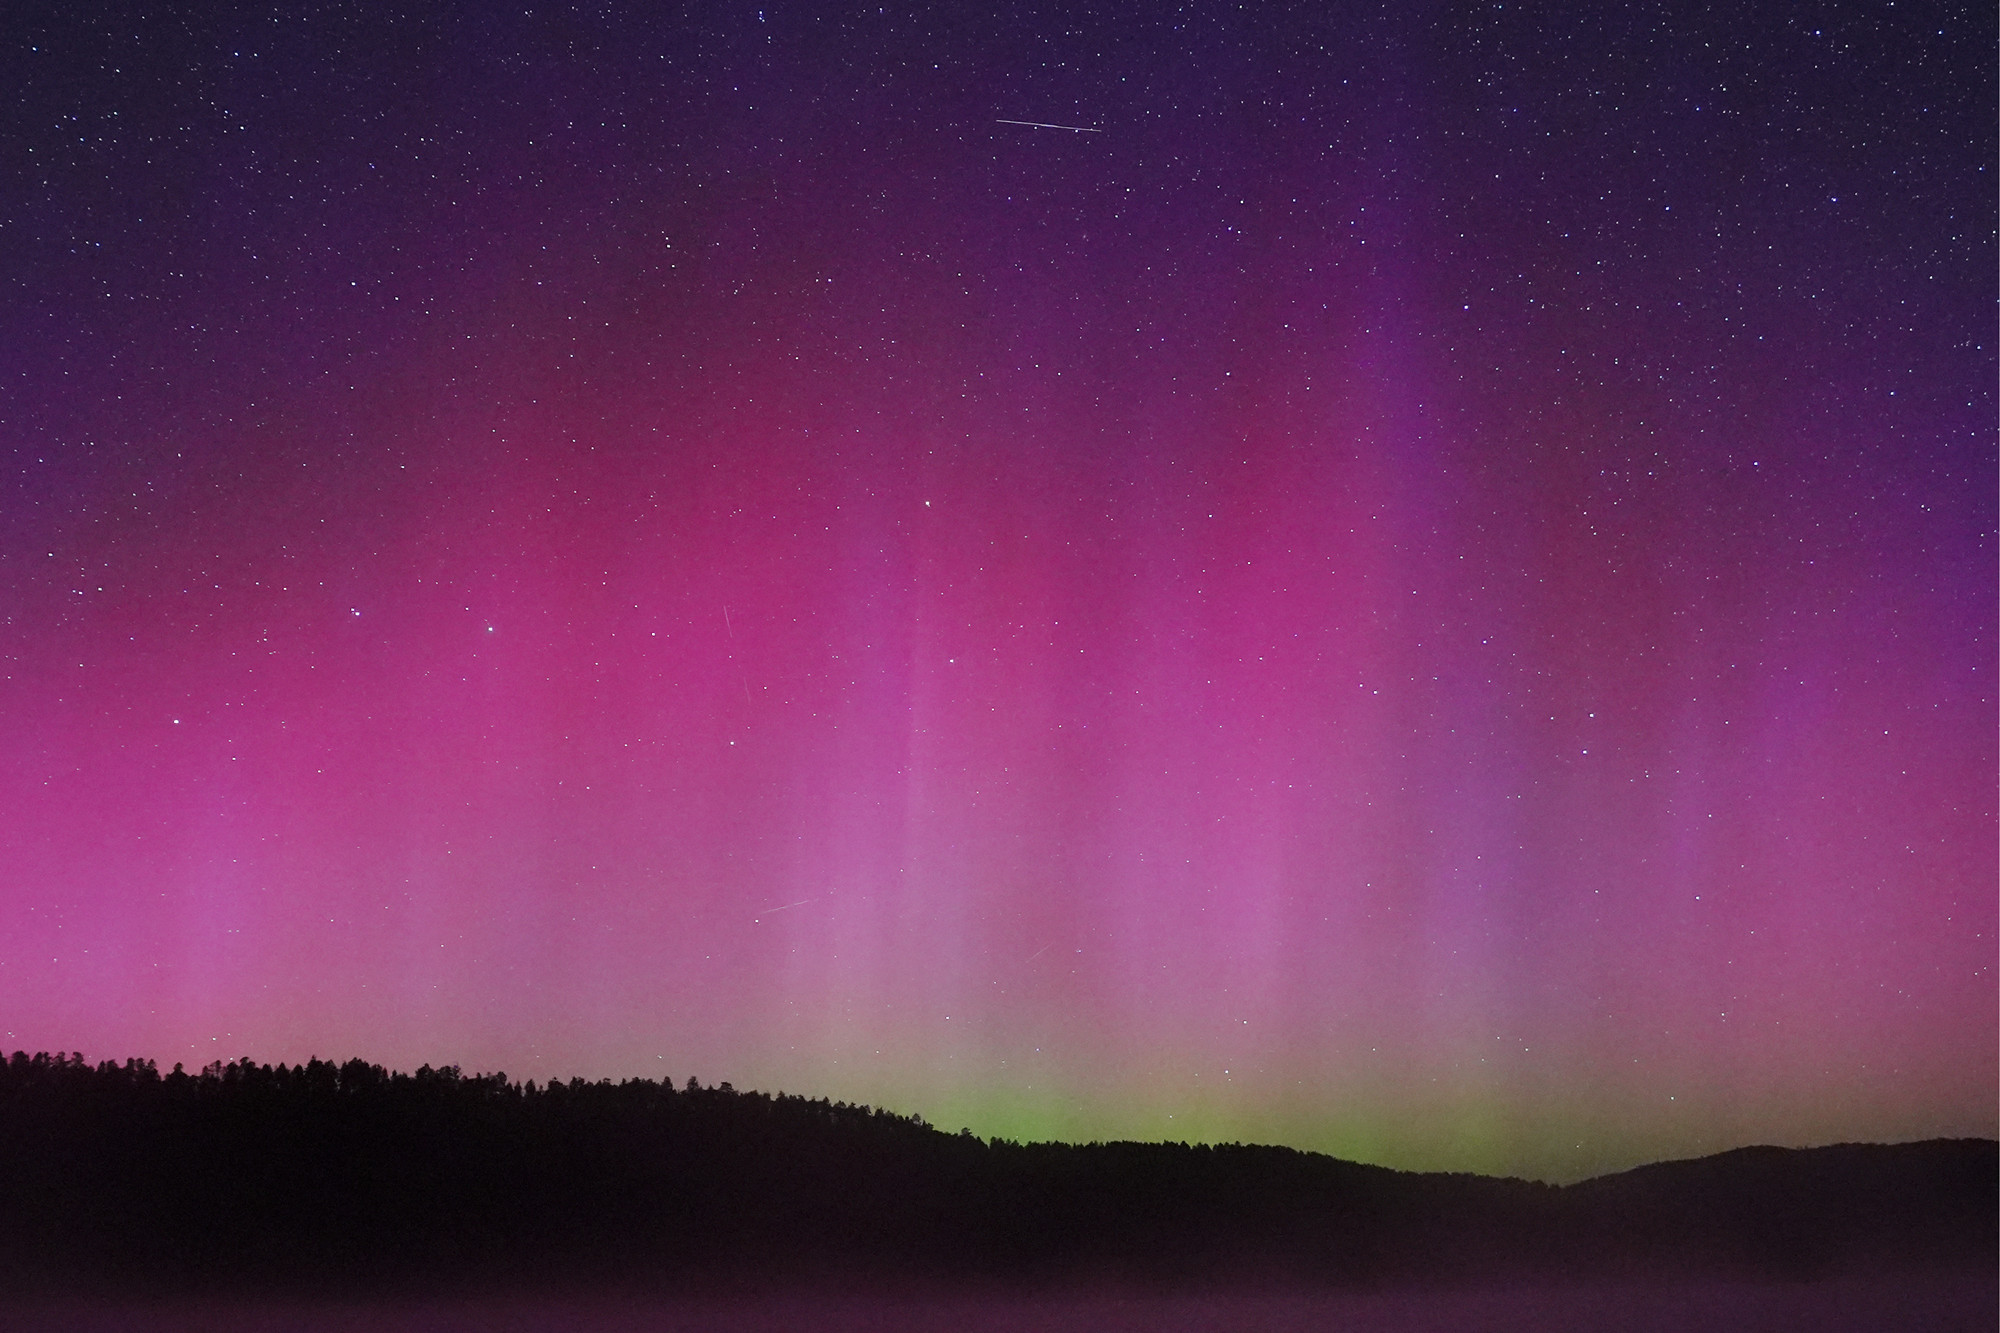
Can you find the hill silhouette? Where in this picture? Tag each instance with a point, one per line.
(351, 1176)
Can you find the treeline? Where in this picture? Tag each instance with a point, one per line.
(351, 1174)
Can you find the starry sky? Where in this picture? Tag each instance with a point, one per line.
(1418, 583)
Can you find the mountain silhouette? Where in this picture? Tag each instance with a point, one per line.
(354, 1177)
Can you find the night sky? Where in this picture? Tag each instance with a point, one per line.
(1420, 584)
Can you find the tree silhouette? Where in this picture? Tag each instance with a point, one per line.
(352, 1174)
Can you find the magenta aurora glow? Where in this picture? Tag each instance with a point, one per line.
(1426, 593)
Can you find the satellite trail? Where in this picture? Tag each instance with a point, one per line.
(1044, 125)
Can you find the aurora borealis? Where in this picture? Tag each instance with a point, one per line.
(1423, 590)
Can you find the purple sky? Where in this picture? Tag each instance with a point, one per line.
(1425, 590)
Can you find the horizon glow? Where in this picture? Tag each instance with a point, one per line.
(1426, 594)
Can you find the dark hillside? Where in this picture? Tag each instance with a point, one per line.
(1800, 1212)
(352, 1176)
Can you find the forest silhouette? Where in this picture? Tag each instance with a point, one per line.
(352, 1176)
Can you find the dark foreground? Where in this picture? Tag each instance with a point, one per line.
(1960, 1303)
(325, 1189)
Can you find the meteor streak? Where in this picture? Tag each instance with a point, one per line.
(787, 907)
(1044, 125)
